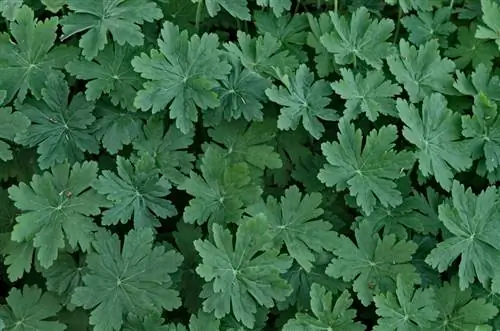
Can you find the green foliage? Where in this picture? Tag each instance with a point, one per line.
(249, 165)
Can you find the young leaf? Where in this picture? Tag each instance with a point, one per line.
(491, 18)
(435, 131)
(97, 18)
(236, 8)
(303, 100)
(29, 309)
(168, 149)
(109, 73)
(408, 309)
(138, 192)
(368, 172)
(241, 277)
(361, 38)
(60, 127)
(295, 222)
(56, 210)
(483, 131)
(374, 263)
(371, 94)
(183, 73)
(471, 220)
(26, 63)
(422, 71)
(340, 317)
(221, 193)
(134, 278)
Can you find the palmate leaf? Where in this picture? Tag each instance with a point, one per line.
(374, 263)
(116, 273)
(237, 8)
(295, 222)
(30, 309)
(367, 171)
(303, 100)
(360, 38)
(278, 6)
(408, 309)
(10, 8)
(221, 193)
(61, 127)
(182, 75)
(242, 276)
(435, 131)
(56, 209)
(138, 192)
(109, 73)
(491, 19)
(97, 18)
(26, 62)
(336, 317)
(11, 124)
(427, 25)
(471, 220)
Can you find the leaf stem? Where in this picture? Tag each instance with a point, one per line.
(336, 6)
(398, 25)
(198, 15)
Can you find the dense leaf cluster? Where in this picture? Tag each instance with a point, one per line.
(236, 165)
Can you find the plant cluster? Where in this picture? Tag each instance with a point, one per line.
(236, 165)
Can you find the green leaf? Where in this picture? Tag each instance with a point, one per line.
(302, 100)
(26, 63)
(116, 127)
(242, 277)
(137, 192)
(221, 193)
(97, 18)
(60, 126)
(109, 73)
(249, 143)
(291, 31)
(57, 209)
(169, 149)
(428, 25)
(482, 81)
(408, 5)
(472, 220)
(340, 317)
(30, 309)
(483, 131)
(324, 60)
(138, 270)
(294, 221)
(152, 322)
(11, 124)
(278, 6)
(236, 8)
(374, 263)
(360, 38)
(406, 309)
(491, 18)
(459, 311)
(435, 131)
(471, 50)
(262, 54)
(10, 8)
(183, 73)
(54, 5)
(241, 95)
(422, 71)
(369, 173)
(203, 321)
(371, 94)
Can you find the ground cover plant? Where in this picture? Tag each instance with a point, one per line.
(239, 165)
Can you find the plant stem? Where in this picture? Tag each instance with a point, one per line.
(398, 25)
(336, 6)
(198, 14)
